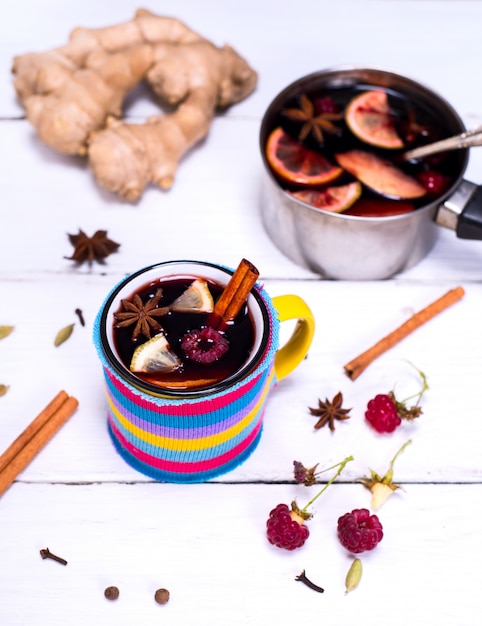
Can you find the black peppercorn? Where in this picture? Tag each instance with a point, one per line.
(111, 593)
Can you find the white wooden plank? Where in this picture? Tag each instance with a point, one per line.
(211, 213)
(207, 545)
(446, 438)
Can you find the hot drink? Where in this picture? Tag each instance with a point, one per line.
(190, 352)
(341, 149)
(167, 334)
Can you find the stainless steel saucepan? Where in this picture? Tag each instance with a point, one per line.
(340, 246)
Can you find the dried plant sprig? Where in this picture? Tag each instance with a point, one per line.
(415, 410)
(304, 513)
(308, 475)
(382, 486)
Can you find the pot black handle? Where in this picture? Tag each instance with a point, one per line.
(469, 224)
(462, 212)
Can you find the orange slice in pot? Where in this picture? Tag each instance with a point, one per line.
(368, 117)
(375, 207)
(380, 175)
(334, 199)
(296, 164)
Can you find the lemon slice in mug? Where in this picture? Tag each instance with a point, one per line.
(155, 355)
(196, 299)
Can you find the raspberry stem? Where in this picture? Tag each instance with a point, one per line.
(341, 467)
(387, 479)
(420, 393)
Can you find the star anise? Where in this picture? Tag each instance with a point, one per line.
(90, 249)
(328, 412)
(312, 123)
(142, 315)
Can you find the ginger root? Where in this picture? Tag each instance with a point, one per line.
(73, 97)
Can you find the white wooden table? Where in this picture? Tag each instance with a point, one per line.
(206, 543)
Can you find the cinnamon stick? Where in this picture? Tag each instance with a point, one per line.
(234, 295)
(27, 445)
(355, 367)
(44, 415)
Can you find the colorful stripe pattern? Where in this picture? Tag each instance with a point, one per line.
(193, 439)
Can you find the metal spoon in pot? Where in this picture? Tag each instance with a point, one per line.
(467, 139)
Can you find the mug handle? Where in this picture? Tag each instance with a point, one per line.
(290, 355)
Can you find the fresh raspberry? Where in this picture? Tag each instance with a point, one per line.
(285, 528)
(385, 412)
(434, 182)
(382, 413)
(324, 105)
(359, 531)
(204, 346)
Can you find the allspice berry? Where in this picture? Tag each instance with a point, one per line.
(111, 593)
(161, 596)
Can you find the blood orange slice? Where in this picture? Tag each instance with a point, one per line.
(295, 163)
(368, 117)
(380, 175)
(371, 207)
(334, 199)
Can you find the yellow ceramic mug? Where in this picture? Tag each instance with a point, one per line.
(191, 435)
(290, 355)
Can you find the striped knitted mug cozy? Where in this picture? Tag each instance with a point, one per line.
(182, 437)
(174, 436)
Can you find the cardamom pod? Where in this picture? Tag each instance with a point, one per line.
(353, 576)
(63, 334)
(5, 331)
